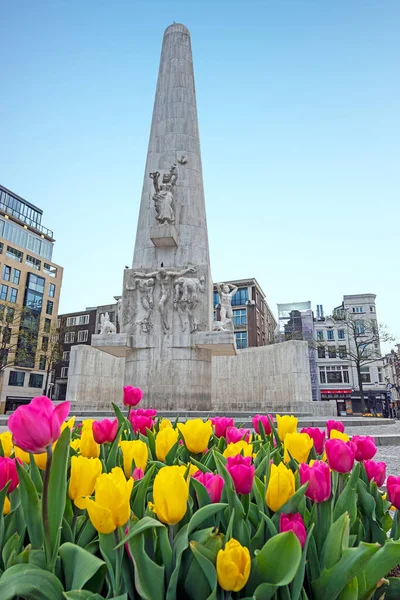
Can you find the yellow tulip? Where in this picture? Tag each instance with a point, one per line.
(111, 506)
(233, 566)
(84, 474)
(22, 455)
(134, 450)
(41, 460)
(76, 444)
(165, 439)
(6, 506)
(299, 446)
(6, 442)
(286, 424)
(338, 435)
(196, 434)
(164, 424)
(70, 423)
(88, 446)
(170, 495)
(280, 486)
(237, 448)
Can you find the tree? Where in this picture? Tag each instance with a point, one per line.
(19, 327)
(53, 349)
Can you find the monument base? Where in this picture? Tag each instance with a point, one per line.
(164, 236)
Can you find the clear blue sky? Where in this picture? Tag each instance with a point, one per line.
(299, 108)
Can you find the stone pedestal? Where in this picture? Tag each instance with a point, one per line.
(164, 236)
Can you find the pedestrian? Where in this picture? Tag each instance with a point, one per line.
(372, 404)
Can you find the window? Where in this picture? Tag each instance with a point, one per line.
(47, 325)
(240, 316)
(6, 273)
(334, 377)
(321, 352)
(49, 270)
(10, 314)
(342, 352)
(365, 375)
(359, 327)
(16, 276)
(372, 309)
(52, 290)
(1, 247)
(16, 378)
(14, 253)
(331, 351)
(380, 375)
(6, 337)
(35, 380)
(79, 320)
(83, 335)
(36, 283)
(241, 339)
(241, 297)
(64, 371)
(49, 307)
(33, 301)
(330, 334)
(33, 262)
(3, 292)
(320, 335)
(357, 309)
(42, 363)
(69, 337)
(65, 356)
(13, 295)
(340, 334)
(322, 376)
(45, 343)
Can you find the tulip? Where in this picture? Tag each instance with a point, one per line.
(233, 435)
(340, 455)
(137, 474)
(6, 443)
(104, 430)
(41, 460)
(242, 472)
(170, 494)
(111, 506)
(21, 455)
(298, 445)
(165, 439)
(144, 412)
(140, 423)
(393, 490)
(164, 424)
(6, 506)
(196, 434)
(76, 444)
(318, 437)
(331, 424)
(132, 396)
(36, 425)
(338, 435)
(366, 448)
(137, 451)
(286, 424)
(70, 424)
(238, 448)
(318, 476)
(84, 474)
(192, 470)
(212, 483)
(233, 566)
(221, 424)
(88, 445)
(8, 473)
(264, 420)
(295, 523)
(376, 471)
(280, 486)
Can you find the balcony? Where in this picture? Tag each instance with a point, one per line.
(24, 219)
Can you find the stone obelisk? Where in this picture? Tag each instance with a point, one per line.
(166, 312)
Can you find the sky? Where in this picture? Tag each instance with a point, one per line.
(299, 116)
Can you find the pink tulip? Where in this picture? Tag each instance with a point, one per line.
(8, 473)
(340, 455)
(318, 436)
(221, 424)
(137, 474)
(144, 412)
(338, 425)
(132, 396)
(375, 471)
(212, 483)
(141, 423)
(242, 472)
(105, 430)
(264, 420)
(295, 523)
(393, 490)
(233, 435)
(319, 480)
(366, 448)
(36, 425)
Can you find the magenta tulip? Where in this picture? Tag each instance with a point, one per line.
(318, 477)
(376, 471)
(233, 435)
(242, 472)
(36, 425)
(212, 483)
(141, 423)
(221, 424)
(144, 412)
(340, 455)
(318, 436)
(393, 490)
(366, 448)
(8, 473)
(295, 523)
(105, 430)
(264, 420)
(137, 474)
(132, 396)
(338, 425)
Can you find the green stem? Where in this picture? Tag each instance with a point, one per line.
(118, 563)
(171, 534)
(74, 517)
(45, 503)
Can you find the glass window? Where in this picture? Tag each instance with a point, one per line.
(380, 374)
(47, 325)
(64, 371)
(345, 376)
(36, 283)
(13, 294)
(33, 301)
(331, 352)
(69, 337)
(340, 334)
(360, 328)
(342, 352)
(331, 335)
(35, 380)
(31, 261)
(42, 363)
(240, 316)
(65, 356)
(322, 376)
(334, 377)
(372, 309)
(83, 335)
(49, 307)
(3, 292)
(365, 375)
(241, 339)
(52, 290)
(14, 253)
(357, 309)
(321, 352)
(6, 273)
(45, 344)
(320, 335)
(1, 245)
(16, 276)
(16, 378)
(50, 270)
(241, 297)
(10, 314)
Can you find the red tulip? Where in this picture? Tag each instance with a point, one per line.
(233, 435)
(242, 472)
(221, 424)
(37, 425)
(132, 396)
(264, 420)
(8, 473)
(393, 490)
(338, 425)
(340, 455)
(105, 430)
(366, 448)
(141, 423)
(137, 474)
(212, 483)
(319, 478)
(375, 471)
(295, 523)
(318, 436)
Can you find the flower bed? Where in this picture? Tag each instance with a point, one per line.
(139, 507)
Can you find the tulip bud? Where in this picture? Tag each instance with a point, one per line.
(297, 445)
(8, 473)
(233, 435)
(318, 437)
(340, 455)
(6, 442)
(331, 424)
(295, 523)
(134, 450)
(212, 483)
(242, 472)
(393, 490)
(280, 487)
(233, 566)
(265, 422)
(286, 424)
(238, 448)
(84, 474)
(366, 448)
(104, 430)
(132, 396)
(165, 439)
(137, 474)
(196, 434)
(318, 477)
(221, 424)
(375, 471)
(170, 493)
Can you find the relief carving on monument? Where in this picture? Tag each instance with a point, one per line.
(164, 195)
(146, 293)
(226, 293)
(186, 298)
(106, 326)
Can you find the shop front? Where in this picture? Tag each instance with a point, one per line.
(342, 398)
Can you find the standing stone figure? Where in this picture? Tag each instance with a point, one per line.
(226, 292)
(105, 324)
(186, 298)
(164, 197)
(146, 291)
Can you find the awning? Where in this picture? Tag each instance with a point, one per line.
(338, 392)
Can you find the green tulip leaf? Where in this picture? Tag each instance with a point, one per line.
(207, 568)
(139, 504)
(387, 557)
(140, 527)
(201, 492)
(58, 490)
(113, 453)
(181, 542)
(347, 501)
(80, 567)
(31, 583)
(35, 474)
(265, 591)
(350, 592)
(298, 581)
(149, 577)
(82, 595)
(336, 542)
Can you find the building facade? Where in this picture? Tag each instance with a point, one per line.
(30, 288)
(253, 321)
(391, 372)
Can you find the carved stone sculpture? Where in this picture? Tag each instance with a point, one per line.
(164, 197)
(146, 293)
(106, 326)
(226, 293)
(225, 325)
(186, 298)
